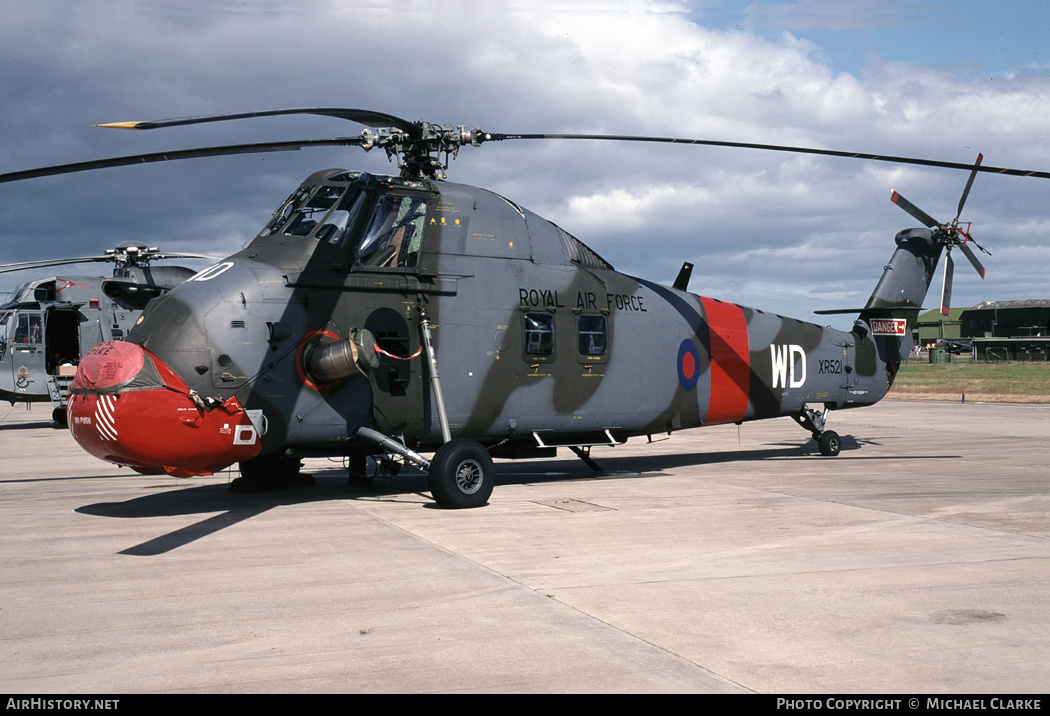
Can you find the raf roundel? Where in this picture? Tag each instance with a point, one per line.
(688, 365)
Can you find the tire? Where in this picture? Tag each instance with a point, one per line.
(829, 443)
(462, 475)
(59, 416)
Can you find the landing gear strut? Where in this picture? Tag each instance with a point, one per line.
(461, 473)
(827, 440)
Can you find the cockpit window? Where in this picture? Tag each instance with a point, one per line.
(327, 212)
(394, 233)
(310, 213)
(286, 210)
(339, 224)
(380, 230)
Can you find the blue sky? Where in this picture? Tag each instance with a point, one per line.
(968, 37)
(788, 233)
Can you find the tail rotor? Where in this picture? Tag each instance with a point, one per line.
(950, 235)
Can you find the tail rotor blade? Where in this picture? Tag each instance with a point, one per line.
(969, 254)
(946, 286)
(969, 183)
(915, 211)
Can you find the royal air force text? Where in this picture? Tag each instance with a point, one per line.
(585, 300)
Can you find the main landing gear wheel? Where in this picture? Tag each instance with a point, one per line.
(270, 472)
(827, 440)
(829, 443)
(461, 474)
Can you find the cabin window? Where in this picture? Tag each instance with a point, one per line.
(593, 337)
(394, 233)
(539, 334)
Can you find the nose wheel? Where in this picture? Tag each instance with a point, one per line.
(828, 441)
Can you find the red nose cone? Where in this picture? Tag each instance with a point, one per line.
(127, 407)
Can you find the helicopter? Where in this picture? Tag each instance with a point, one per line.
(324, 336)
(50, 323)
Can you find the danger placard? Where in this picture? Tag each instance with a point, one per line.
(889, 326)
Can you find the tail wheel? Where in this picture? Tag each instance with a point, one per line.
(829, 443)
(461, 474)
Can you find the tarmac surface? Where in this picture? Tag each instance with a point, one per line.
(721, 560)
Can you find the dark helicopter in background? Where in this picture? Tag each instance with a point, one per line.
(49, 324)
(324, 336)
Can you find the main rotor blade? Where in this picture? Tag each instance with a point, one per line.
(496, 137)
(946, 285)
(180, 154)
(913, 210)
(367, 117)
(166, 256)
(969, 254)
(969, 183)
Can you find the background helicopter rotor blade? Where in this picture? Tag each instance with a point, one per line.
(45, 263)
(118, 256)
(179, 154)
(946, 284)
(915, 211)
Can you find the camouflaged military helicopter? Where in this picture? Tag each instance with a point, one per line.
(50, 323)
(323, 337)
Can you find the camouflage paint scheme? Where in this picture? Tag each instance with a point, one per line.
(239, 334)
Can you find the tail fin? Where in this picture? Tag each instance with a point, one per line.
(893, 308)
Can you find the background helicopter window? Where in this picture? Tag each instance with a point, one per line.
(593, 339)
(28, 330)
(539, 334)
(394, 233)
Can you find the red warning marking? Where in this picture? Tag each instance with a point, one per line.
(730, 362)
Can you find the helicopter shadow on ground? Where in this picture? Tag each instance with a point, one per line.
(331, 484)
(642, 466)
(206, 499)
(28, 426)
